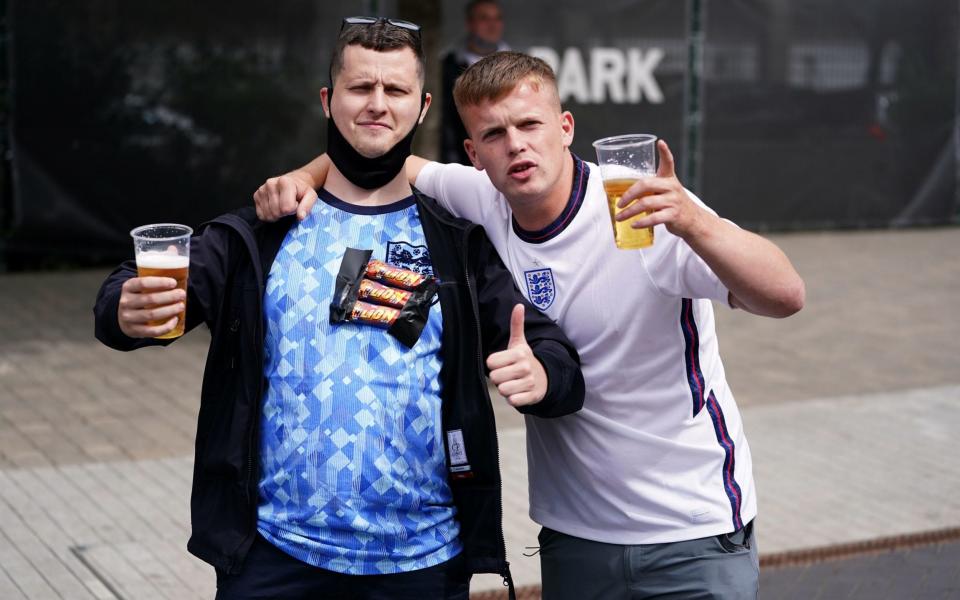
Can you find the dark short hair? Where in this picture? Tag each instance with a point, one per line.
(380, 36)
(473, 4)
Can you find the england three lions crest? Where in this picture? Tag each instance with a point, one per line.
(408, 256)
(540, 287)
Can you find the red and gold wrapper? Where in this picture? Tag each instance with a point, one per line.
(373, 314)
(392, 276)
(398, 301)
(378, 293)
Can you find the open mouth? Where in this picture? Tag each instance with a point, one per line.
(521, 169)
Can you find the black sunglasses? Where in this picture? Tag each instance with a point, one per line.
(374, 20)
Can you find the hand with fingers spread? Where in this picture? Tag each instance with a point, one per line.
(665, 201)
(518, 375)
(149, 306)
(284, 195)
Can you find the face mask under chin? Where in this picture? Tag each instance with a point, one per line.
(364, 172)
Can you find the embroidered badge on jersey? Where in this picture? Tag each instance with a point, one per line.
(408, 256)
(458, 451)
(540, 287)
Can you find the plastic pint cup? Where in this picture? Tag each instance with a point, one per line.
(624, 159)
(163, 250)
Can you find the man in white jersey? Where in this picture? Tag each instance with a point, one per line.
(340, 458)
(648, 491)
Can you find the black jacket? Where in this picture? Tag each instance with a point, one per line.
(452, 130)
(230, 258)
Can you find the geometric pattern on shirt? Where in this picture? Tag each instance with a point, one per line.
(353, 469)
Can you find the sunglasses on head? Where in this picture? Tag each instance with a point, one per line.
(374, 20)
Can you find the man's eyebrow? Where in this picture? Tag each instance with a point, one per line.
(397, 82)
(492, 129)
(359, 74)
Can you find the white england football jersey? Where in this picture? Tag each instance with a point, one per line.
(658, 453)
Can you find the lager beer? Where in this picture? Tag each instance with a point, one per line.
(161, 264)
(626, 237)
(623, 160)
(163, 250)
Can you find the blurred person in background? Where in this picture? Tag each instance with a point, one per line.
(484, 25)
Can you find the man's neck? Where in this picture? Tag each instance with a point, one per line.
(397, 188)
(480, 47)
(534, 215)
(474, 49)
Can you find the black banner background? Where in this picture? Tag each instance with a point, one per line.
(134, 112)
(816, 113)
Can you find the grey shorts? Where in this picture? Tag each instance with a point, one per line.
(722, 567)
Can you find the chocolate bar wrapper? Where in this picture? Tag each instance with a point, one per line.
(406, 323)
(392, 276)
(347, 285)
(373, 314)
(414, 314)
(377, 293)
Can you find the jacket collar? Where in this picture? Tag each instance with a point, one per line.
(261, 239)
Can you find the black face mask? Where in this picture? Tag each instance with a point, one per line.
(363, 172)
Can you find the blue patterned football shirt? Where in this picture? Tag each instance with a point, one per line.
(353, 470)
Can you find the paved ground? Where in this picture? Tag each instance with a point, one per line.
(851, 408)
(925, 573)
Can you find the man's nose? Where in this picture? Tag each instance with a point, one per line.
(377, 101)
(515, 141)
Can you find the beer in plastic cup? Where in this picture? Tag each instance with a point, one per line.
(624, 159)
(163, 250)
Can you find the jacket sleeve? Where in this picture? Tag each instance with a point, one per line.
(497, 295)
(208, 264)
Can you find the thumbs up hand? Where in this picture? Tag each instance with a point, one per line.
(516, 372)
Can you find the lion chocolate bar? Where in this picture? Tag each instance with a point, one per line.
(390, 275)
(373, 314)
(371, 291)
(399, 301)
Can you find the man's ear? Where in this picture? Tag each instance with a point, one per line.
(325, 100)
(472, 154)
(427, 99)
(566, 125)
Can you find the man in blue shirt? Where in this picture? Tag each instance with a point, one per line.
(375, 464)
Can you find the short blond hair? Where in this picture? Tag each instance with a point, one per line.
(496, 75)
